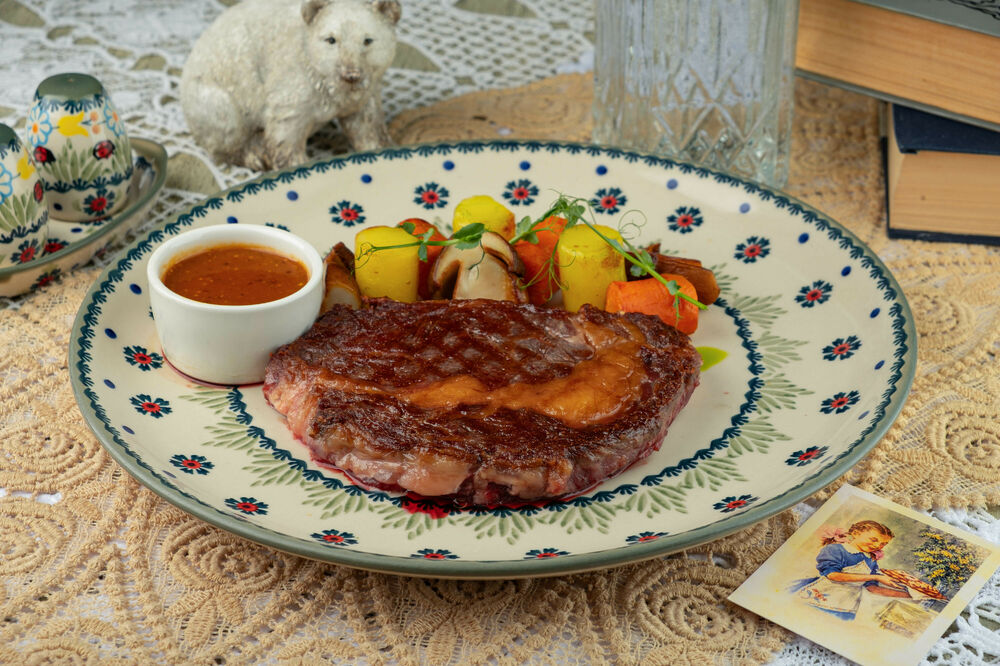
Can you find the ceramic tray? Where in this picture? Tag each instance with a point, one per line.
(72, 244)
(816, 342)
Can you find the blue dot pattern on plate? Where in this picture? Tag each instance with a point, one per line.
(846, 271)
(231, 220)
(128, 430)
(525, 165)
(109, 383)
(136, 289)
(366, 178)
(672, 184)
(601, 170)
(292, 195)
(878, 366)
(874, 313)
(448, 165)
(110, 333)
(803, 238)
(76, 230)
(744, 208)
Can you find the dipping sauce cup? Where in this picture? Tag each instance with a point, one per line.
(231, 344)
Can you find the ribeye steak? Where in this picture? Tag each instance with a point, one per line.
(482, 401)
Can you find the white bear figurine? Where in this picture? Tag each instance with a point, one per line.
(268, 73)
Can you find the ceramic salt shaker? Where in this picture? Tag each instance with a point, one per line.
(79, 145)
(23, 214)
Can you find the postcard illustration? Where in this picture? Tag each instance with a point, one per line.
(869, 579)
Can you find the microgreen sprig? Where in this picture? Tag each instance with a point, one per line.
(564, 207)
(642, 262)
(572, 209)
(465, 238)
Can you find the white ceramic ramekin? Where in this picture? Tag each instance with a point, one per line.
(230, 344)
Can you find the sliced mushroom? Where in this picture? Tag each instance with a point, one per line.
(345, 256)
(488, 270)
(341, 287)
(702, 278)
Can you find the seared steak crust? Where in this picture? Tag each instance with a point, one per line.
(449, 398)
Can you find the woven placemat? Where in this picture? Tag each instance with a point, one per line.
(96, 567)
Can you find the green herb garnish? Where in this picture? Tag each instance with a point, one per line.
(642, 262)
(564, 207)
(465, 238)
(572, 209)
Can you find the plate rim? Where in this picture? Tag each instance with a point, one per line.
(492, 569)
(156, 154)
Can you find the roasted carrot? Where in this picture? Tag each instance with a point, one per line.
(420, 227)
(650, 296)
(535, 257)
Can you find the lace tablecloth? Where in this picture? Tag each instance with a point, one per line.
(95, 567)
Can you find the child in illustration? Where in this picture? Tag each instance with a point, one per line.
(848, 566)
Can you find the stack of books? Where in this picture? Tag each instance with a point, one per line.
(942, 178)
(937, 62)
(941, 56)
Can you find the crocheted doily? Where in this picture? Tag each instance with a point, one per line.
(95, 567)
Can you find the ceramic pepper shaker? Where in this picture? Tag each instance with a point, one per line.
(80, 147)
(23, 214)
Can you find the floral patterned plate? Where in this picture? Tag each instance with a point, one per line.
(810, 353)
(72, 244)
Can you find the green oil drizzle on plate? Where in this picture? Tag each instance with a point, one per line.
(710, 356)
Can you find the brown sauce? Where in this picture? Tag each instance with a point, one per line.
(595, 391)
(235, 274)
